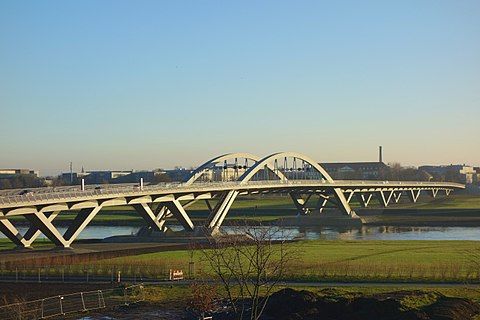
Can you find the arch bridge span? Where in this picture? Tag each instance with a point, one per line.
(218, 182)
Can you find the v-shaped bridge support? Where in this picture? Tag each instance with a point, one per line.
(397, 195)
(155, 220)
(385, 197)
(219, 212)
(364, 198)
(300, 203)
(413, 195)
(11, 232)
(26, 240)
(44, 224)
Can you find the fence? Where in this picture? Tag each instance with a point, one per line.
(93, 273)
(72, 303)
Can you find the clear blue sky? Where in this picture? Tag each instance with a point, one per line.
(146, 84)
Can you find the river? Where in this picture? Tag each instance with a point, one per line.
(311, 233)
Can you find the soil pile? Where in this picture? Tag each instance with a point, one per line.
(289, 304)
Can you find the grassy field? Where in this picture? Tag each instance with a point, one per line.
(456, 201)
(321, 260)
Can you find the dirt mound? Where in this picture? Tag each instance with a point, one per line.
(452, 309)
(289, 304)
(288, 301)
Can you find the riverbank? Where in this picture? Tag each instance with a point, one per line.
(171, 302)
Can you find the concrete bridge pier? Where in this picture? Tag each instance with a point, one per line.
(12, 233)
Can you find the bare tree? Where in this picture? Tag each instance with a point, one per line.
(249, 266)
(203, 297)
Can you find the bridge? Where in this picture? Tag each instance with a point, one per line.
(218, 182)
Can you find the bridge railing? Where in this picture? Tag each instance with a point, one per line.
(176, 186)
(19, 191)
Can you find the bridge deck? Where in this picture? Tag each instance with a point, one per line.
(48, 196)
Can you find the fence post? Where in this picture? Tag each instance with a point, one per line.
(42, 311)
(39, 280)
(61, 305)
(125, 295)
(83, 302)
(101, 300)
(16, 274)
(191, 270)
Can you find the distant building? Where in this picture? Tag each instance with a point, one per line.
(20, 178)
(134, 176)
(179, 173)
(6, 173)
(477, 175)
(230, 172)
(454, 172)
(107, 176)
(355, 170)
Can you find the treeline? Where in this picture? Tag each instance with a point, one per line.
(22, 181)
(396, 171)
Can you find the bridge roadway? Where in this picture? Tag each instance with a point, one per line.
(156, 203)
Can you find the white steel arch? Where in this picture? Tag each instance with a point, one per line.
(197, 173)
(216, 218)
(268, 159)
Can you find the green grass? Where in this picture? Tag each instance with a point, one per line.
(320, 260)
(6, 244)
(456, 201)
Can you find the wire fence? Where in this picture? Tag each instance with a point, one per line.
(131, 273)
(73, 303)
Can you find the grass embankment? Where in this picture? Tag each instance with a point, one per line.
(331, 303)
(453, 211)
(172, 300)
(156, 294)
(455, 201)
(319, 260)
(361, 260)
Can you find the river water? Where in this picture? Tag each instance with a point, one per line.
(311, 233)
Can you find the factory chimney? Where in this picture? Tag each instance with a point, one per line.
(380, 155)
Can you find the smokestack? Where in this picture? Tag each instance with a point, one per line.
(380, 155)
(71, 172)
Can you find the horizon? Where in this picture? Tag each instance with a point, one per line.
(161, 84)
(189, 167)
